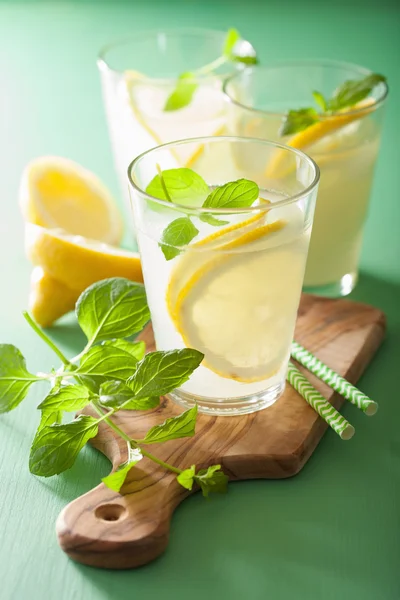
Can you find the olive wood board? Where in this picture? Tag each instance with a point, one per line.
(124, 530)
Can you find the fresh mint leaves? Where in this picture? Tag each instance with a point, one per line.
(183, 93)
(182, 186)
(56, 447)
(111, 373)
(68, 398)
(174, 428)
(112, 308)
(234, 50)
(15, 379)
(236, 194)
(211, 480)
(114, 394)
(102, 363)
(345, 96)
(298, 120)
(353, 91)
(186, 187)
(117, 478)
(161, 372)
(178, 233)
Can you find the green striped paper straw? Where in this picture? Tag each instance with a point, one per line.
(335, 381)
(324, 408)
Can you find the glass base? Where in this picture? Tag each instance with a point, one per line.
(343, 287)
(229, 407)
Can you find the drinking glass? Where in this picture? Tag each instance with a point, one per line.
(346, 154)
(137, 77)
(233, 292)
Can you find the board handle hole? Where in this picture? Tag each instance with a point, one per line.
(110, 512)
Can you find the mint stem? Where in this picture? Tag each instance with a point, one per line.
(157, 460)
(124, 436)
(45, 338)
(212, 66)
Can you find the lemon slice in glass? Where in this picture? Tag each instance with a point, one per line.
(228, 299)
(204, 116)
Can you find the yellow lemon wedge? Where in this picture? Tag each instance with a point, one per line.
(222, 303)
(313, 134)
(77, 262)
(49, 299)
(56, 192)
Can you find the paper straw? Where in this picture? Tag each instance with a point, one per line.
(324, 408)
(335, 381)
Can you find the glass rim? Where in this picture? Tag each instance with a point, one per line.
(323, 62)
(104, 64)
(227, 211)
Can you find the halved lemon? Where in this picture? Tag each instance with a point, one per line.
(222, 304)
(49, 299)
(56, 192)
(77, 262)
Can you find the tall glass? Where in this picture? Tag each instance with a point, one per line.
(346, 154)
(139, 74)
(234, 290)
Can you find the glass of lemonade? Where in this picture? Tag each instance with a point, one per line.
(139, 74)
(233, 291)
(345, 146)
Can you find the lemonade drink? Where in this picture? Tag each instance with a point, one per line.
(232, 292)
(139, 75)
(345, 148)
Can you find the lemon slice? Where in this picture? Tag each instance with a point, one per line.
(234, 306)
(49, 299)
(77, 262)
(313, 134)
(58, 193)
(204, 116)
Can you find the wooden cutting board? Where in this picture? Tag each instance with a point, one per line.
(120, 531)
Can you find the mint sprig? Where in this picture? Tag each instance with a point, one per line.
(235, 49)
(187, 188)
(346, 95)
(110, 374)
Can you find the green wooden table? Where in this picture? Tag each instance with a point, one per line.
(331, 532)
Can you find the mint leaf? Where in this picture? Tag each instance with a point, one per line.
(178, 233)
(232, 37)
(15, 379)
(56, 447)
(211, 220)
(236, 194)
(183, 93)
(186, 478)
(68, 398)
(184, 187)
(116, 480)
(212, 480)
(353, 91)
(161, 372)
(112, 308)
(174, 428)
(250, 59)
(114, 394)
(101, 363)
(321, 101)
(49, 418)
(297, 120)
(135, 349)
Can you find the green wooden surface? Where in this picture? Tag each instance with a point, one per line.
(331, 532)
